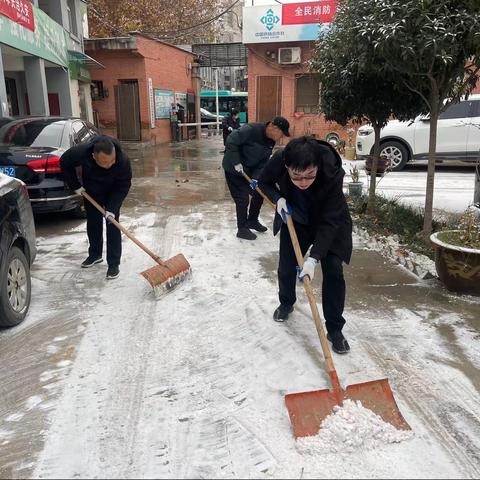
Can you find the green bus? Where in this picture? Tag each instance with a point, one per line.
(226, 101)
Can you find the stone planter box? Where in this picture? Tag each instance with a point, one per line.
(355, 189)
(457, 267)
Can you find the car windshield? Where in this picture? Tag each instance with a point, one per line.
(32, 133)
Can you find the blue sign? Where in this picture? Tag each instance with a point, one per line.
(270, 19)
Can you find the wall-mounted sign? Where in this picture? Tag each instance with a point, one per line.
(151, 105)
(20, 11)
(288, 22)
(163, 103)
(48, 42)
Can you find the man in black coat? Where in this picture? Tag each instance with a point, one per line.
(306, 181)
(230, 123)
(106, 175)
(248, 150)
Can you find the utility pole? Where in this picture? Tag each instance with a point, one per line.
(216, 99)
(197, 87)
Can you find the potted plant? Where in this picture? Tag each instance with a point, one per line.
(355, 187)
(457, 254)
(350, 148)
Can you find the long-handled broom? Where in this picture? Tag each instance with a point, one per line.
(162, 277)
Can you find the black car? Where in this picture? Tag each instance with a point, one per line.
(17, 251)
(30, 150)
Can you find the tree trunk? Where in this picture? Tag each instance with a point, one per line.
(476, 192)
(373, 172)
(432, 149)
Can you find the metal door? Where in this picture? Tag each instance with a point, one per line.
(127, 104)
(269, 97)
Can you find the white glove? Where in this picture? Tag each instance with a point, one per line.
(109, 215)
(230, 129)
(238, 167)
(79, 191)
(308, 269)
(283, 208)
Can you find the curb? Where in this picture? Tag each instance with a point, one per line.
(420, 265)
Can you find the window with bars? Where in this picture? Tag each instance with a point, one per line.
(307, 93)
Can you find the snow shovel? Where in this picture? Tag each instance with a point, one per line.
(307, 410)
(162, 277)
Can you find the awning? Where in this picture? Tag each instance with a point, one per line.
(84, 59)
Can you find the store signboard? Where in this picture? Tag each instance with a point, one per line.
(48, 41)
(288, 22)
(20, 11)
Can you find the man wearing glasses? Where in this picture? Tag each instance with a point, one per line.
(248, 150)
(305, 180)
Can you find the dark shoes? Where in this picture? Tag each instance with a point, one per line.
(246, 234)
(282, 312)
(113, 272)
(91, 261)
(256, 225)
(339, 342)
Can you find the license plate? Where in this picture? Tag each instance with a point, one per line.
(10, 171)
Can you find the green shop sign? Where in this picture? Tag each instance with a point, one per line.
(48, 41)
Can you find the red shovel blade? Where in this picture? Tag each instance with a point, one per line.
(307, 410)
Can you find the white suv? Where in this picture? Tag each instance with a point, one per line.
(458, 136)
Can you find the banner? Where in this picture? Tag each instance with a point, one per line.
(308, 12)
(49, 40)
(20, 11)
(287, 22)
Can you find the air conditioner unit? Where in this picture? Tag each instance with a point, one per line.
(289, 56)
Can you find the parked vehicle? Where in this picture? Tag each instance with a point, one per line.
(30, 150)
(458, 136)
(17, 251)
(209, 117)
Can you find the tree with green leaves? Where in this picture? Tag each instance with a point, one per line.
(354, 87)
(433, 47)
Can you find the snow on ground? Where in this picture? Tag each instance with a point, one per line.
(453, 187)
(192, 385)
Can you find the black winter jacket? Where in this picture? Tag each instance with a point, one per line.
(110, 186)
(229, 122)
(249, 146)
(330, 216)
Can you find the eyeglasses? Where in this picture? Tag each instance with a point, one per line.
(299, 178)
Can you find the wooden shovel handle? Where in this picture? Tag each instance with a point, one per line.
(124, 230)
(308, 287)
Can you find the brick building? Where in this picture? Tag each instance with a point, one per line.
(280, 41)
(143, 77)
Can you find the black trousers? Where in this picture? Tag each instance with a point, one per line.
(241, 193)
(333, 286)
(95, 222)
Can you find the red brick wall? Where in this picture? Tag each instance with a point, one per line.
(259, 63)
(168, 68)
(165, 65)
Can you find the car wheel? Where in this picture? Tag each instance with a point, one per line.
(15, 289)
(396, 153)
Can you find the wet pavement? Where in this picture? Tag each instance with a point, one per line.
(187, 178)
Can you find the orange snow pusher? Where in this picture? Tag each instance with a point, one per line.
(162, 277)
(307, 410)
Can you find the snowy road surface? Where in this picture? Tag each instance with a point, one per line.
(104, 380)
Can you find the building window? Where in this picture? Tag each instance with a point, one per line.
(96, 89)
(307, 97)
(72, 17)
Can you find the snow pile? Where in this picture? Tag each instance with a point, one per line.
(350, 428)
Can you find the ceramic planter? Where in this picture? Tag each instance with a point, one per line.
(457, 267)
(355, 189)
